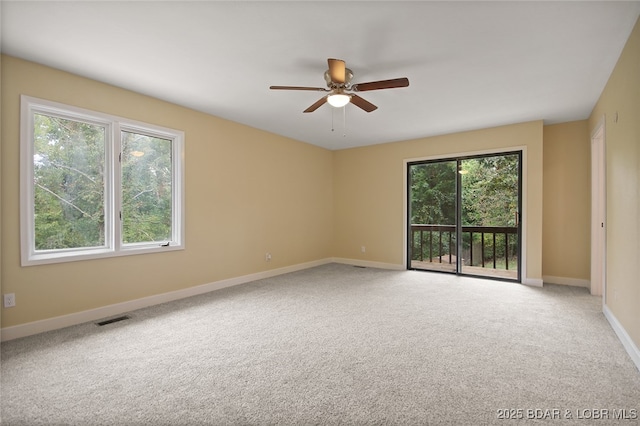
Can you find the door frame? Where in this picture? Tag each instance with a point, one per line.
(522, 278)
(599, 211)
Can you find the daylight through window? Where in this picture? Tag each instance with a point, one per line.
(94, 185)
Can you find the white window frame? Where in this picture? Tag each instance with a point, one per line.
(113, 125)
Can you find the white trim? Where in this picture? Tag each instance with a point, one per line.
(405, 201)
(624, 337)
(446, 156)
(600, 124)
(598, 273)
(369, 264)
(524, 217)
(575, 282)
(35, 327)
(534, 282)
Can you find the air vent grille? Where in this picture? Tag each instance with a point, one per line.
(112, 320)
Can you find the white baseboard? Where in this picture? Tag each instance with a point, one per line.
(624, 337)
(35, 327)
(369, 264)
(534, 282)
(576, 282)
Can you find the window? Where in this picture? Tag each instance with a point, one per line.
(94, 185)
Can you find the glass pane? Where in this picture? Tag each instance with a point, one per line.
(146, 188)
(433, 216)
(68, 173)
(489, 216)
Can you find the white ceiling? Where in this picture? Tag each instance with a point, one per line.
(470, 64)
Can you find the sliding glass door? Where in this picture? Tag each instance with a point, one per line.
(464, 215)
(432, 206)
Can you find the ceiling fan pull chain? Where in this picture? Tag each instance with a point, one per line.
(333, 113)
(344, 121)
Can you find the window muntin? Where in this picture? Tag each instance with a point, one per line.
(86, 190)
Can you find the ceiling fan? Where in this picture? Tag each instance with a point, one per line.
(340, 88)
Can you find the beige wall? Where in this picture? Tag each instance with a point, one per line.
(566, 204)
(621, 99)
(369, 191)
(247, 192)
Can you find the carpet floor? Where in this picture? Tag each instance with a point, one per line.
(333, 345)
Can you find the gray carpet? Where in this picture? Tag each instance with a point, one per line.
(334, 344)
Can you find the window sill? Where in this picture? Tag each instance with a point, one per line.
(95, 253)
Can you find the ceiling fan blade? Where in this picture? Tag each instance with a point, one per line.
(337, 70)
(316, 89)
(317, 105)
(361, 103)
(382, 84)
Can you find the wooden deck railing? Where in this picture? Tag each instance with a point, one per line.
(440, 241)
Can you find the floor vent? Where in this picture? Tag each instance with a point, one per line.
(112, 320)
(361, 267)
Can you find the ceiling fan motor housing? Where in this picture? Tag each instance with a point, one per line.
(348, 75)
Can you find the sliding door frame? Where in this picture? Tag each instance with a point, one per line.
(522, 228)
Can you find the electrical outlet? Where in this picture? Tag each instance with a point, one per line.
(9, 300)
(363, 249)
(267, 257)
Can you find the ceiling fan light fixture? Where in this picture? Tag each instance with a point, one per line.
(338, 100)
(338, 78)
